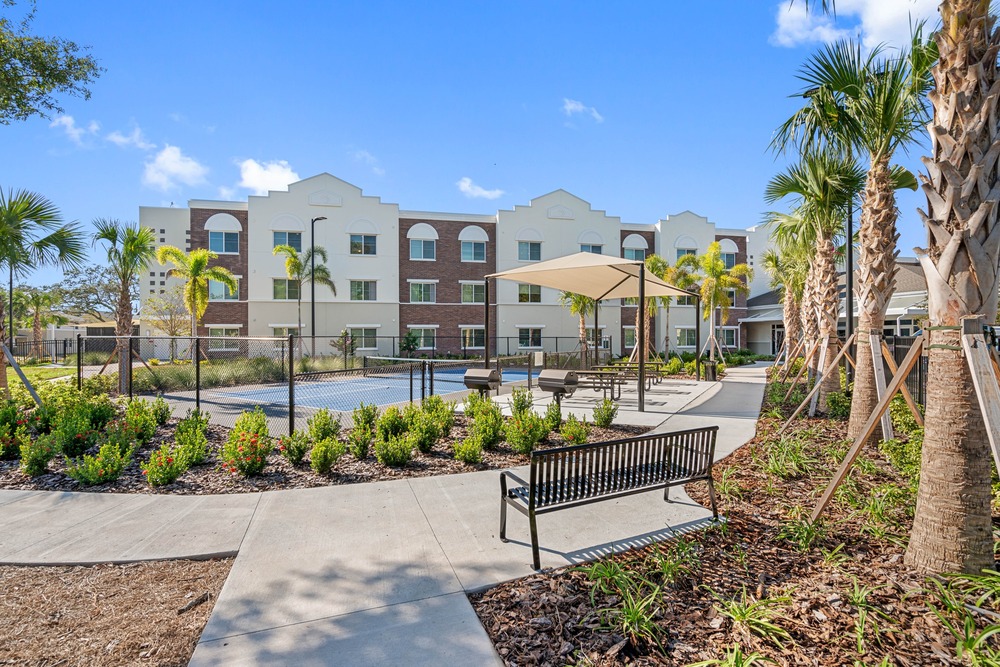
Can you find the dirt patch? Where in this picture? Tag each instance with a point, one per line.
(210, 478)
(137, 614)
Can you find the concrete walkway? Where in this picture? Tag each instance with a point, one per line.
(368, 574)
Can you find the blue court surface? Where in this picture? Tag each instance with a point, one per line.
(346, 393)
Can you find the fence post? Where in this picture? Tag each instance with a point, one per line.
(291, 388)
(131, 351)
(79, 362)
(423, 376)
(197, 373)
(411, 383)
(430, 368)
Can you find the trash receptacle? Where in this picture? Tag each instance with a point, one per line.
(710, 371)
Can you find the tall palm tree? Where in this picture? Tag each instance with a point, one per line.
(299, 267)
(581, 306)
(130, 250)
(716, 283)
(194, 268)
(40, 305)
(873, 105)
(787, 271)
(682, 275)
(32, 233)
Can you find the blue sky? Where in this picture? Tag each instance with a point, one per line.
(643, 109)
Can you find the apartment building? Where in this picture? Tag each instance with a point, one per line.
(400, 271)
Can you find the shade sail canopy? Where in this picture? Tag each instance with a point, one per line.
(595, 276)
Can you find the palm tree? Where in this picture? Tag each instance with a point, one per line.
(40, 305)
(131, 249)
(822, 184)
(581, 306)
(788, 270)
(682, 275)
(869, 105)
(32, 233)
(194, 269)
(716, 283)
(299, 267)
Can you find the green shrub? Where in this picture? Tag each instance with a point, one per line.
(425, 428)
(102, 411)
(838, 406)
(525, 431)
(325, 453)
(605, 413)
(902, 419)
(359, 440)
(574, 431)
(245, 453)
(106, 466)
(469, 450)
(294, 447)
(488, 424)
(674, 367)
(161, 411)
(365, 415)
(139, 414)
(553, 416)
(904, 455)
(443, 411)
(521, 401)
(390, 424)
(12, 438)
(73, 433)
(191, 438)
(122, 435)
(253, 422)
(690, 367)
(165, 465)
(475, 404)
(35, 456)
(323, 426)
(394, 451)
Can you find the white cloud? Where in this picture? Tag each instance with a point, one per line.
(367, 158)
(876, 21)
(170, 168)
(260, 177)
(226, 193)
(573, 107)
(75, 132)
(134, 138)
(473, 191)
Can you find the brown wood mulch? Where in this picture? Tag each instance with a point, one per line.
(135, 614)
(563, 617)
(210, 478)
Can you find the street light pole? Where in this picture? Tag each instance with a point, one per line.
(312, 278)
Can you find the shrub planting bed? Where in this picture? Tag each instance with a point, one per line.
(766, 587)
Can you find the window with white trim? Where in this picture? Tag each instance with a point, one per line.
(423, 292)
(473, 251)
(686, 251)
(529, 251)
(292, 239)
(729, 259)
(224, 243)
(363, 290)
(628, 334)
(529, 337)
(630, 301)
(219, 292)
(364, 338)
(635, 254)
(473, 293)
(363, 244)
(731, 295)
(686, 301)
(473, 337)
(686, 337)
(730, 337)
(217, 339)
(592, 247)
(425, 337)
(284, 289)
(423, 249)
(283, 332)
(529, 293)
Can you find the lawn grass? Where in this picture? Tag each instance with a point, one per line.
(37, 374)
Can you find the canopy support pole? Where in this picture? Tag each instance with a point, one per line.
(642, 338)
(697, 337)
(597, 335)
(486, 322)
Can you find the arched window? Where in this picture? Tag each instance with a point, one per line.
(685, 245)
(729, 250)
(634, 247)
(287, 230)
(473, 240)
(529, 245)
(423, 242)
(591, 241)
(223, 234)
(363, 235)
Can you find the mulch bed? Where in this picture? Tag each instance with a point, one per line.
(137, 614)
(562, 616)
(210, 478)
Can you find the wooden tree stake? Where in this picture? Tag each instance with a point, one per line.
(820, 377)
(843, 353)
(907, 396)
(875, 343)
(805, 365)
(978, 356)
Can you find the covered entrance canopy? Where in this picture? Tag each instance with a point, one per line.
(598, 277)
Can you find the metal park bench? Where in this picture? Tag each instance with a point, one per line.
(583, 474)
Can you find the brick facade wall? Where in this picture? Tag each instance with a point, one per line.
(224, 312)
(739, 308)
(628, 312)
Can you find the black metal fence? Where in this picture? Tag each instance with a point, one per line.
(916, 380)
(360, 345)
(44, 351)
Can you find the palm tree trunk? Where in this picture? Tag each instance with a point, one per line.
(876, 281)
(666, 329)
(36, 333)
(828, 303)
(952, 526)
(810, 328)
(793, 323)
(3, 357)
(123, 333)
(584, 358)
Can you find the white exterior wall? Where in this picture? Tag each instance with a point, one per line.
(170, 227)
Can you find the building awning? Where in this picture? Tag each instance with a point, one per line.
(771, 315)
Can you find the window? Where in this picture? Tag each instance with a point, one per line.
(473, 251)
(629, 333)
(363, 290)
(285, 289)
(364, 338)
(219, 292)
(685, 301)
(293, 239)
(473, 293)
(473, 337)
(686, 251)
(529, 251)
(283, 332)
(605, 342)
(217, 339)
(635, 254)
(686, 337)
(729, 259)
(590, 247)
(224, 242)
(731, 295)
(423, 292)
(630, 301)
(362, 244)
(529, 293)
(730, 337)
(529, 338)
(425, 337)
(423, 249)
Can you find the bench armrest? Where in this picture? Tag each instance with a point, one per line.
(508, 473)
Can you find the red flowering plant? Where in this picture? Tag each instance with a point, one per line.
(164, 466)
(249, 443)
(294, 447)
(106, 466)
(12, 436)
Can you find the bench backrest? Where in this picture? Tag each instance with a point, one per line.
(579, 472)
